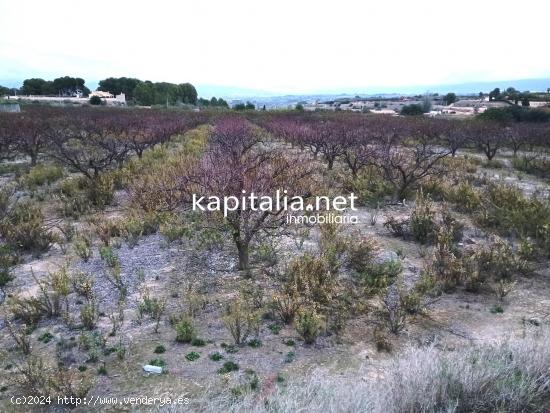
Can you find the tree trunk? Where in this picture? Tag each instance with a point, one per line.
(242, 248)
(400, 191)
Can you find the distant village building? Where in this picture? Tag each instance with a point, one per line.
(312, 107)
(108, 98)
(383, 111)
(472, 107)
(464, 107)
(101, 94)
(538, 104)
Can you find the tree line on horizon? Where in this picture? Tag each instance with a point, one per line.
(139, 92)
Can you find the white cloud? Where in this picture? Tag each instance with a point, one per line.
(283, 46)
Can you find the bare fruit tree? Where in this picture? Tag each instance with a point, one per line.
(237, 164)
(407, 158)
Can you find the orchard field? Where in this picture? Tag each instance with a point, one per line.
(437, 300)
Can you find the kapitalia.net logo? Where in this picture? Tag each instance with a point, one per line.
(318, 209)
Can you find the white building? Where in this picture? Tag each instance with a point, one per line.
(101, 94)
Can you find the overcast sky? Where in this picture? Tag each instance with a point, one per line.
(283, 46)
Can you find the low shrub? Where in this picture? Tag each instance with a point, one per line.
(248, 383)
(369, 186)
(152, 306)
(216, 356)
(394, 303)
(509, 212)
(228, 367)
(54, 292)
(83, 284)
(229, 348)
(503, 288)
(5, 278)
(120, 350)
(445, 267)
(105, 228)
(496, 309)
(20, 335)
(422, 221)
(109, 256)
(464, 196)
(286, 303)
(538, 166)
(241, 321)
(424, 290)
(27, 310)
(252, 294)
(314, 277)
(160, 349)
(360, 254)
(381, 340)
(89, 315)
(435, 188)
(114, 276)
(398, 227)
(135, 226)
(23, 228)
(46, 337)
(42, 174)
(8, 259)
(309, 324)
(185, 330)
(254, 343)
(462, 165)
(494, 164)
(82, 246)
(102, 370)
(499, 261)
(174, 228)
(379, 275)
(72, 196)
(274, 328)
(198, 342)
(192, 356)
(290, 357)
(333, 246)
(37, 379)
(93, 342)
(266, 254)
(159, 362)
(101, 191)
(337, 313)
(79, 195)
